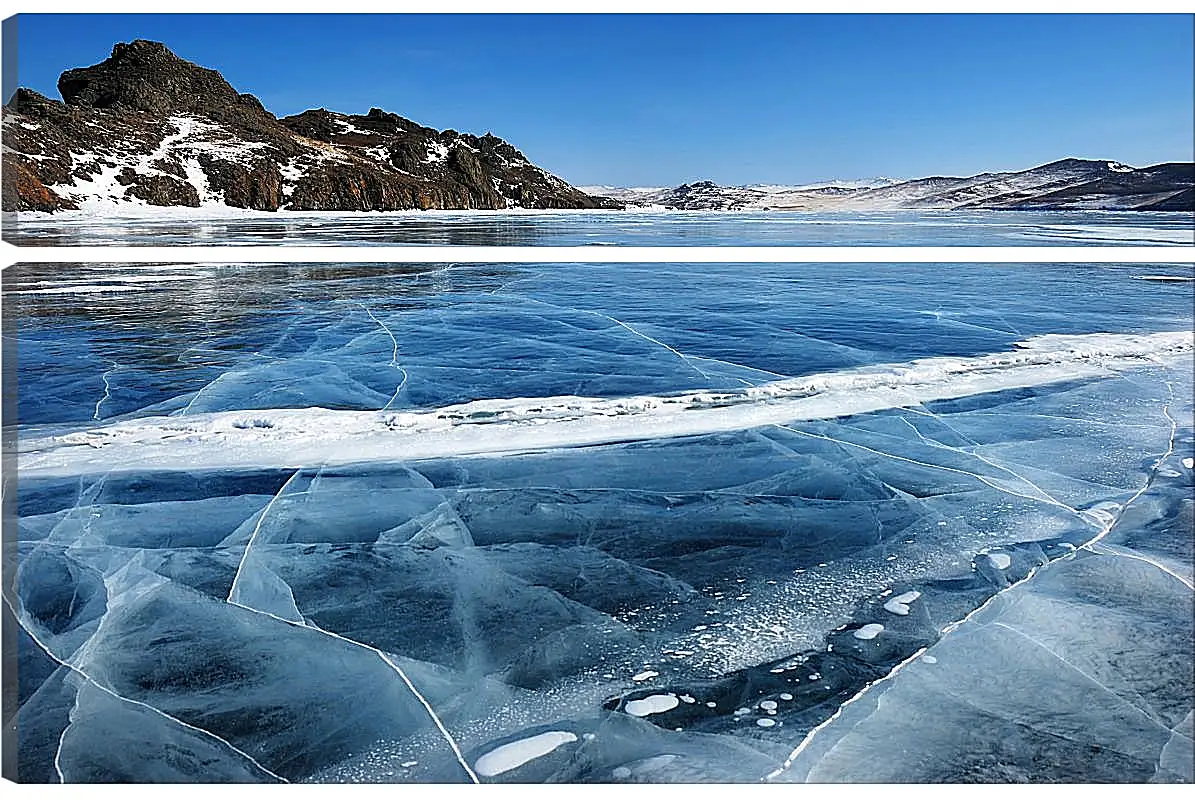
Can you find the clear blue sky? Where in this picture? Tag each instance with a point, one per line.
(664, 99)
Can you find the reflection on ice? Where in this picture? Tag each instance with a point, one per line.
(581, 228)
(405, 337)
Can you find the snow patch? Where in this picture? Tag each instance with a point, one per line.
(377, 152)
(346, 127)
(437, 153)
(198, 178)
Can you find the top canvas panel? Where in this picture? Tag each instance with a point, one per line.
(610, 130)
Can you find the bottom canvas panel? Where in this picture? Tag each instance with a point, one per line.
(573, 522)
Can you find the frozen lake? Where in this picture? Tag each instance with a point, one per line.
(182, 226)
(603, 522)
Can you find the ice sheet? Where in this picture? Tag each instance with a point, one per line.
(992, 585)
(125, 224)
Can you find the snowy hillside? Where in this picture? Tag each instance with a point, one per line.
(1067, 184)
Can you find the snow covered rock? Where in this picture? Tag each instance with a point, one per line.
(147, 127)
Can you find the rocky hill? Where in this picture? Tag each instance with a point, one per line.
(1072, 183)
(147, 127)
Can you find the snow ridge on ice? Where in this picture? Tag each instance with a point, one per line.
(490, 426)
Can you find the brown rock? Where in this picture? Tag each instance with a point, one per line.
(23, 191)
(163, 190)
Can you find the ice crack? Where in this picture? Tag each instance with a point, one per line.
(1085, 674)
(79, 671)
(1041, 498)
(393, 357)
(257, 529)
(973, 454)
(62, 738)
(687, 359)
(435, 718)
(1089, 545)
(107, 389)
(1108, 550)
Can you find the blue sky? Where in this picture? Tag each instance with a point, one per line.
(665, 99)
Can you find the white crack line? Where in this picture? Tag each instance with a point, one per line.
(393, 358)
(70, 720)
(257, 529)
(107, 389)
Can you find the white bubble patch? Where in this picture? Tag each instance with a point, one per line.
(516, 754)
(655, 704)
(899, 605)
(869, 631)
(1000, 560)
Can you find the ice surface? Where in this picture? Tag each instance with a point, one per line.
(131, 224)
(993, 585)
(304, 335)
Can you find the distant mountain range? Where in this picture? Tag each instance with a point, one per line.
(145, 127)
(1072, 184)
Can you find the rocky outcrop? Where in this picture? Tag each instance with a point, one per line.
(145, 76)
(28, 191)
(158, 190)
(146, 126)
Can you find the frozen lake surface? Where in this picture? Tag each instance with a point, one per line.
(182, 226)
(603, 522)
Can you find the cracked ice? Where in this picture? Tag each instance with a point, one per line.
(819, 534)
